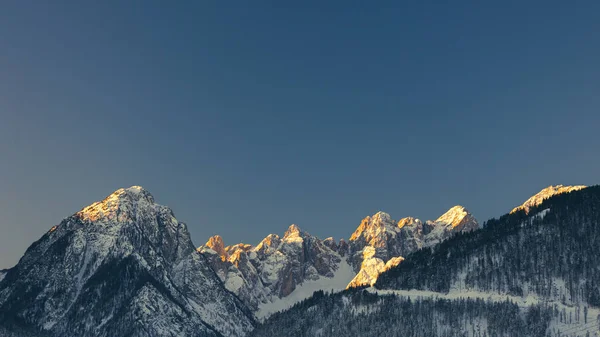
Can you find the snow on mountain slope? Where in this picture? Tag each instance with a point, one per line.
(342, 276)
(274, 268)
(121, 266)
(2, 274)
(544, 194)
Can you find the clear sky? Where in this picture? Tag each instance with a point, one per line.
(247, 117)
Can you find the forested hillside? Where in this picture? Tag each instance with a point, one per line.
(361, 313)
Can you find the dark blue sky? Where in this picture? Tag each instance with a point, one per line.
(247, 118)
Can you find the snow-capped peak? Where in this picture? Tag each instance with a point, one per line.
(456, 219)
(454, 216)
(381, 217)
(544, 194)
(136, 189)
(379, 222)
(118, 204)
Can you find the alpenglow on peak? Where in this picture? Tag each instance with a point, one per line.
(378, 222)
(118, 204)
(544, 194)
(454, 216)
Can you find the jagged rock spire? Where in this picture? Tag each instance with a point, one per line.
(459, 219)
(292, 232)
(216, 243)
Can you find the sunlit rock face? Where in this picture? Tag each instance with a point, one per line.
(277, 266)
(371, 267)
(544, 194)
(378, 231)
(387, 237)
(456, 220)
(216, 243)
(124, 266)
(380, 243)
(459, 219)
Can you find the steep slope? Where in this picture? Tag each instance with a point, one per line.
(124, 266)
(544, 194)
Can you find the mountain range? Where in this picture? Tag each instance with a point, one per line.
(279, 271)
(125, 266)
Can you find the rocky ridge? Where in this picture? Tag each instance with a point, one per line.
(275, 267)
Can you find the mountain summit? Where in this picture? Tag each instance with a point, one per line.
(458, 218)
(123, 266)
(119, 206)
